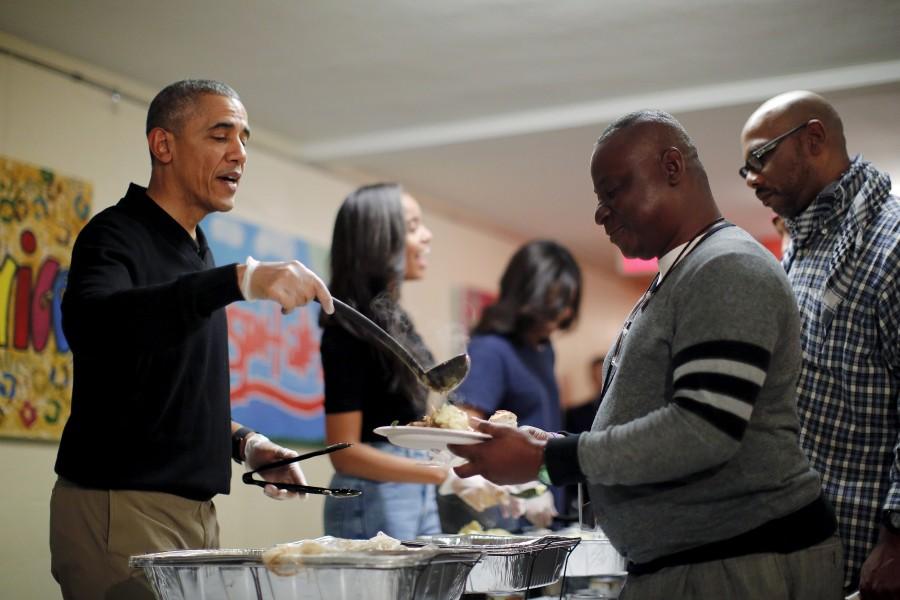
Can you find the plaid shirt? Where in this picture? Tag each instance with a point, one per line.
(844, 266)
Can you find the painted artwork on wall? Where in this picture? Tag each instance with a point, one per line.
(41, 213)
(276, 373)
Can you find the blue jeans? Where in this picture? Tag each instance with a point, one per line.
(401, 510)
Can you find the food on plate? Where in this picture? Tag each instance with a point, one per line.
(504, 417)
(285, 559)
(449, 416)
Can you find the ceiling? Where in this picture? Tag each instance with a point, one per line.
(487, 109)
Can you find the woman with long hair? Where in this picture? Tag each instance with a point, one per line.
(379, 242)
(513, 359)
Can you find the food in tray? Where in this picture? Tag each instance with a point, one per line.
(449, 416)
(285, 559)
(474, 527)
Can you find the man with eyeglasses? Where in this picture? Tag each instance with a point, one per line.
(843, 263)
(692, 461)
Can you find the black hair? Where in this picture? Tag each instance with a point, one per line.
(368, 263)
(541, 280)
(170, 106)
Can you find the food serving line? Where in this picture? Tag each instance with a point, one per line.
(432, 568)
(440, 567)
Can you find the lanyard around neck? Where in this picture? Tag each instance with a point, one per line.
(700, 237)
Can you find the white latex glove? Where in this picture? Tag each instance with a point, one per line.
(512, 507)
(260, 450)
(540, 510)
(289, 283)
(476, 491)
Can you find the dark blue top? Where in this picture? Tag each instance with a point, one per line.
(512, 377)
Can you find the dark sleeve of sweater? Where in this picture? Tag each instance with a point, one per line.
(111, 301)
(561, 458)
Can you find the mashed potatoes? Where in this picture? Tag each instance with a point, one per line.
(447, 416)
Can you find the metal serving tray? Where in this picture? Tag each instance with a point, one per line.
(430, 574)
(510, 563)
(594, 557)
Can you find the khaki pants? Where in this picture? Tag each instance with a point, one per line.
(94, 532)
(816, 573)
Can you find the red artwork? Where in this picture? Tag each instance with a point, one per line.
(288, 347)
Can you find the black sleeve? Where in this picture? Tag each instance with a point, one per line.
(105, 304)
(561, 458)
(345, 363)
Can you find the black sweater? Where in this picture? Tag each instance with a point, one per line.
(144, 316)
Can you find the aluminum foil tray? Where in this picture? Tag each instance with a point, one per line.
(594, 557)
(430, 574)
(510, 563)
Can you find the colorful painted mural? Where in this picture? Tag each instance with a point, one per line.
(276, 372)
(40, 215)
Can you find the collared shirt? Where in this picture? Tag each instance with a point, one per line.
(844, 267)
(667, 260)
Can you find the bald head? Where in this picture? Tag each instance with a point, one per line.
(797, 140)
(792, 108)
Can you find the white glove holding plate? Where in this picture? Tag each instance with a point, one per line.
(540, 510)
(481, 494)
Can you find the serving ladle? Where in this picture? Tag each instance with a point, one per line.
(441, 378)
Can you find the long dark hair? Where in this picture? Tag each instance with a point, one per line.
(541, 280)
(368, 262)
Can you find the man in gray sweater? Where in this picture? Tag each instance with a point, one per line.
(692, 462)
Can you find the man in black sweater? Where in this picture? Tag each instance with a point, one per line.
(148, 442)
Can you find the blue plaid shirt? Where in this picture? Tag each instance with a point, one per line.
(844, 266)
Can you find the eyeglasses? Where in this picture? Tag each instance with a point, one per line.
(755, 161)
(298, 487)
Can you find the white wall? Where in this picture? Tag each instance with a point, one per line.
(73, 129)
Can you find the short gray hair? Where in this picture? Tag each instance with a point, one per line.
(658, 117)
(169, 107)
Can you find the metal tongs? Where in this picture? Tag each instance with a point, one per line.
(299, 487)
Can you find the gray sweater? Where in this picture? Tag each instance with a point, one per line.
(696, 438)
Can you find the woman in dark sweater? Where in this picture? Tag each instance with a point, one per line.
(379, 241)
(513, 360)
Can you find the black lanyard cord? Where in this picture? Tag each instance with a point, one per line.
(657, 283)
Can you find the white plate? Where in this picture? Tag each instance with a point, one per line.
(429, 438)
